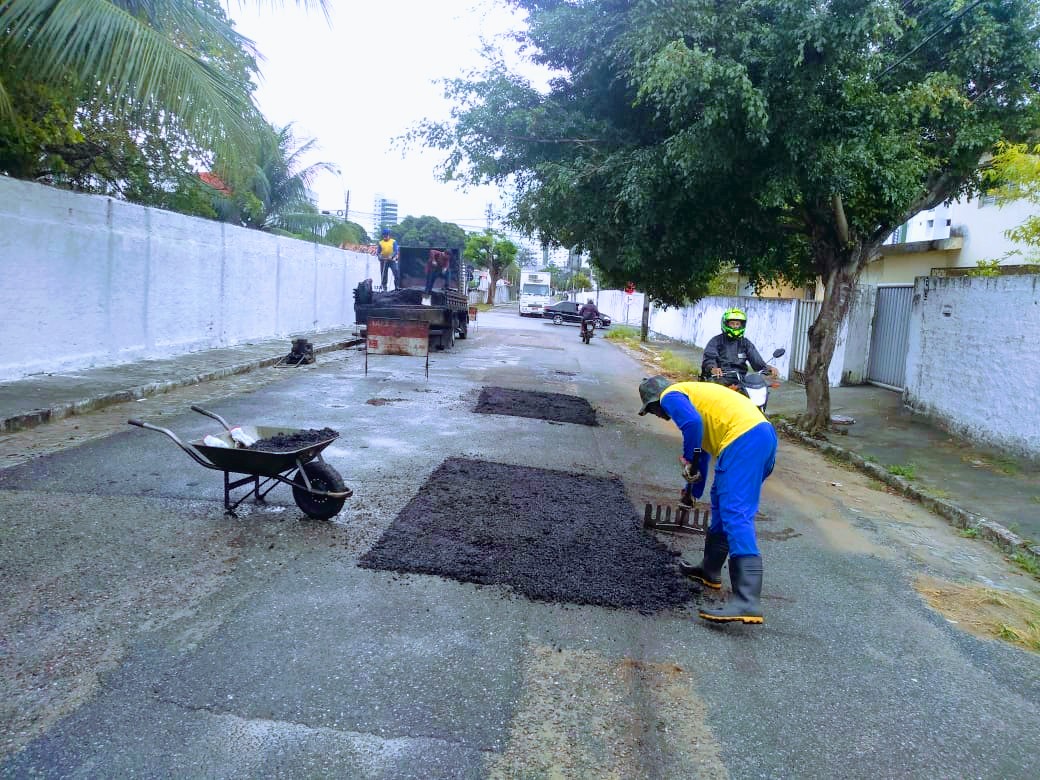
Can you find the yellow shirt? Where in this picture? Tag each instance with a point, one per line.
(726, 414)
(386, 248)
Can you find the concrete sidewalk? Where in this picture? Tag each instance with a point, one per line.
(985, 492)
(40, 398)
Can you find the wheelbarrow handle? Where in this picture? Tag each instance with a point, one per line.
(192, 452)
(213, 415)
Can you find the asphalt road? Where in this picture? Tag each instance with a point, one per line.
(145, 633)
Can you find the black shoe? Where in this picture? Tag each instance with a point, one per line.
(709, 571)
(744, 604)
(687, 500)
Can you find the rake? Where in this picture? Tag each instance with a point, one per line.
(687, 520)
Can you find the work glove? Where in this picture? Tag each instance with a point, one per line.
(691, 471)
(694, 473)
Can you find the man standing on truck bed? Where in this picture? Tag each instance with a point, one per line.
(438, 267)
(388, 256)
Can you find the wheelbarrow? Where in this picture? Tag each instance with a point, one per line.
(317, 487)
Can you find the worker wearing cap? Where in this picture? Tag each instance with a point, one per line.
(715, 421)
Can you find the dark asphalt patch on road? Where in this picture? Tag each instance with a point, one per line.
(547, 535)
(555, 407)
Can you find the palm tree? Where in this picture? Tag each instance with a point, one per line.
(166, 54)
(271, 193)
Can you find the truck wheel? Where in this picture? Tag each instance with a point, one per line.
(463, 329)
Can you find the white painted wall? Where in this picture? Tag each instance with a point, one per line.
(973, 356)
(982, 226)
(93, 281)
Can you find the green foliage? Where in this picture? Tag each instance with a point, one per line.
(785, 139)
(491, 251)
(985, 268)
(346, 233)
(268, 188)
(428, 231)
(909, 470)
(1014, 174)
(178, 58)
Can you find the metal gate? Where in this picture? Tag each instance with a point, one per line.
(889, 335)
(804, 316)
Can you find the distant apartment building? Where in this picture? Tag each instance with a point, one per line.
(384, 213)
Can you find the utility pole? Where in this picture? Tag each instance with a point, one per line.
(490, 216)
(346, 206)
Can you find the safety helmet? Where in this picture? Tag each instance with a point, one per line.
(650, 390)
(733, 314)
(589, 301)
(386, 232)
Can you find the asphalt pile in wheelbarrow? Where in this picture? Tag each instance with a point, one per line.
(556, 407)
(547, 535)
(297, 440)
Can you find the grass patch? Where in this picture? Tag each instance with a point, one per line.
(908, 470)
(1035, 499)
(483, 306)
(969, 533)
(1027, 563)
(870, 459)
(626, 334)
(985, 612)
(678, 367)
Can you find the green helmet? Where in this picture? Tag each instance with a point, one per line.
(733, 314)
(650, 390)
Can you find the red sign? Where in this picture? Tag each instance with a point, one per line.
(630, 288)
(398, 337)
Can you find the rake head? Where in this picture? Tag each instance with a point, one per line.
(685, 520)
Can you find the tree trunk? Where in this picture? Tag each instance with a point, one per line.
(644, 329)
(492, 286)
(843, 271)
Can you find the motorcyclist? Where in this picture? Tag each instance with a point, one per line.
(731, 350)
(588, 312)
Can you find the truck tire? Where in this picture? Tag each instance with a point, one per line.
(463, 326)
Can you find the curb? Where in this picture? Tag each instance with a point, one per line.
(993, 532)
(27, 420)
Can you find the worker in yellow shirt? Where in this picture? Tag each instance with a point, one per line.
(388, 258)
(720, 422)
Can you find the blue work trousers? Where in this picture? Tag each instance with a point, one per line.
(736, 487)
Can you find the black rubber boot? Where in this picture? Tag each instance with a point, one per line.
(709, 571)
(744, 604)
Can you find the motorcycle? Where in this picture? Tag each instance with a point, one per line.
(753, 384)
(588, 327)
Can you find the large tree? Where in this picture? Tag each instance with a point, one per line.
(428, 231)
(786, 138)
(491, 251)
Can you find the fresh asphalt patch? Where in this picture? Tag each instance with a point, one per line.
(554, 407)
(547, 535)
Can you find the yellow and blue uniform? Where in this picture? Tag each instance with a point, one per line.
(388, 252)
(725, 424)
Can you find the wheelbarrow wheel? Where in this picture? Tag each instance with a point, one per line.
(322, 477)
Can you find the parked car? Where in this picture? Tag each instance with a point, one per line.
(567, 311)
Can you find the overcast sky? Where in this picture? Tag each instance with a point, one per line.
(365, 77)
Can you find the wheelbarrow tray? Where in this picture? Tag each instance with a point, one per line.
(268, 464)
